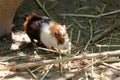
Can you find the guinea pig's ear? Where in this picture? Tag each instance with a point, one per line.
(64, 26)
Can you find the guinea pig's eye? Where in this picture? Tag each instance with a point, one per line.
(61, 41)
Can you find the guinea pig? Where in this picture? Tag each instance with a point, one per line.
(47, 32)
(54, 35)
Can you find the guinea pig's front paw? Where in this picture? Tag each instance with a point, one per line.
(53, 48)
(34, 45)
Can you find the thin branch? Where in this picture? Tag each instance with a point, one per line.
(110, 66)
(43, 8)
(50, 66)
(98, 45)
(105, 32)
(91, 35)
(63, 52)
(54, 61)
(99, 62)
(33, 75)
(78, 37)
(92, 16)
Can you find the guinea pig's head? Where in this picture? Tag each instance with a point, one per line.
(60, 33)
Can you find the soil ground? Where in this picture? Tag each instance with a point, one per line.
(75, 25)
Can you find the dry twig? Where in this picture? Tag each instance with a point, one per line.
(43, 8)
(33, 75)
(105, 32)
(110, 66)
(50, 66)
(63, 52)
(54, 61)
(91, 16)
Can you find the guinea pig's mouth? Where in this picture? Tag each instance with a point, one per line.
(66, 48)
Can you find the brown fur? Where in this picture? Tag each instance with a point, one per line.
(32, 28)
(55, 31)
(55, 26)
(25, 24)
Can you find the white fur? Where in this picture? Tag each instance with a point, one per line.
(50, 41)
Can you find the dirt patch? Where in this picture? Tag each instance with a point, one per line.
(80, 30)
